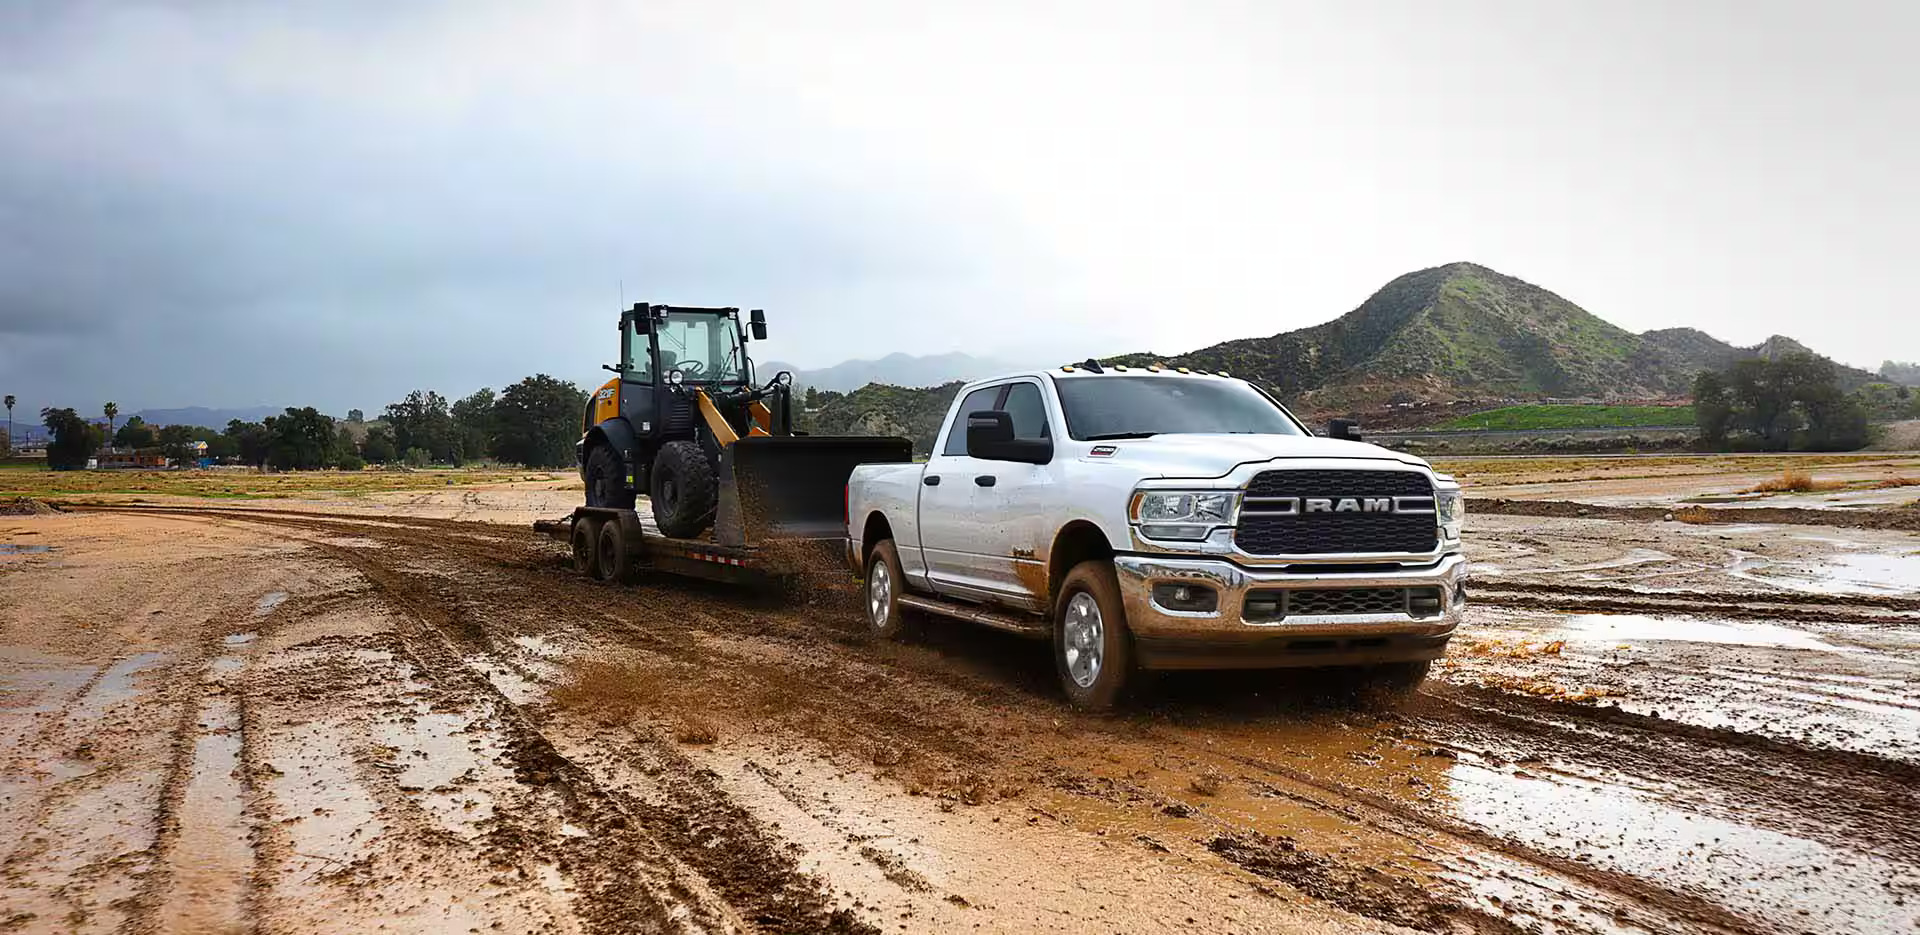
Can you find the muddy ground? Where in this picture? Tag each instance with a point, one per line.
(403, 713)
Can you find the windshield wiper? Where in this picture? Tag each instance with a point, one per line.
(1111, 436)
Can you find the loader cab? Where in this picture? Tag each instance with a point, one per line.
(701, 345)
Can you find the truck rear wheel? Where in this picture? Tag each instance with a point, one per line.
(1092, 649)
(684, 490)
(606, 482)
(886, 619)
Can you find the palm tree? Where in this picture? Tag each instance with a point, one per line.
(10, 402)
(112, 410)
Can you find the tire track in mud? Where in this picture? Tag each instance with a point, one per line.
(627, 836)
(441, 609)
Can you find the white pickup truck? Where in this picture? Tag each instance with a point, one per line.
(1159, 519)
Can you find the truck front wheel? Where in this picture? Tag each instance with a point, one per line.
(1091, 646)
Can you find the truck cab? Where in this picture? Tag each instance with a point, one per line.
(1158, 518)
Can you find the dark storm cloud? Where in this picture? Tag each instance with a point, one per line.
(212, 184)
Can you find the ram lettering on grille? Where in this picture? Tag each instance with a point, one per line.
(1327, 512)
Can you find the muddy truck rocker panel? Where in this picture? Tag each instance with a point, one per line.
(1161, 519)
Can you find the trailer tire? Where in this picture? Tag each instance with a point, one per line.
(606, 482)
(886, 619)
(1092, 648)
(617, 556)
(586, 545)
(684, 490)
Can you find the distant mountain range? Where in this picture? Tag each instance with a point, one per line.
(894, 370)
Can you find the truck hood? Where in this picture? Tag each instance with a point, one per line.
(1208, 456)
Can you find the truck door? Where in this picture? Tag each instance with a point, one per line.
(955, 511)
(1015, 513)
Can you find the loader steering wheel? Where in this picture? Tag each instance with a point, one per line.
(694, 369)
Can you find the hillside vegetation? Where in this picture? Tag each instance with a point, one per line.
(1463, 331)
(1523, 418)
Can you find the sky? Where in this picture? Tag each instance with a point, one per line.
(233, 204)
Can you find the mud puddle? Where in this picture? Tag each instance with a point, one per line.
(1853, 573)
(1789, 882)
(16, 548)
(1641, 627)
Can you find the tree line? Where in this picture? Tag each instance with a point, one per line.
(534, 422)
(1794, 403)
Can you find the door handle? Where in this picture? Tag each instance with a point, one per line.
(985, 480)
(931, 480)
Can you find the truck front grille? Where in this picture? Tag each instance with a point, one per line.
(1278, 515)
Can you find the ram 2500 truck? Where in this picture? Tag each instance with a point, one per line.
(1160, 519)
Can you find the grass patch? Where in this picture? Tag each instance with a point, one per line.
(1891, 483)
(1543, 417)
(1794, 480)
(1693, 515)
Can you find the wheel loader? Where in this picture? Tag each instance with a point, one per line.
(733, 490)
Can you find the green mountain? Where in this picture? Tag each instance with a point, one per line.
(1464, 331)
(881, 409)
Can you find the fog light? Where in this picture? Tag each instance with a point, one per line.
(1186, 598)
(1424, 602)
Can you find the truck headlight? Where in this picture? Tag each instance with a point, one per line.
(1450, 506)
(1183, 514)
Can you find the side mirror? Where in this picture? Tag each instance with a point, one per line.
(1346, 430)
(757, 324)
(990, 438)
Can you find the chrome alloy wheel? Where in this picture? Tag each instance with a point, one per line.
(1084, 635)
(879, 595)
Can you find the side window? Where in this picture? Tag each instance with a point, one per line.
(976, 401)
(1028, 412)
(639, 365)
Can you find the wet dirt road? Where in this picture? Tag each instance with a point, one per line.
(247, 719)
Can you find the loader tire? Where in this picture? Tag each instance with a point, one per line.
(684, 490)
(606, 481)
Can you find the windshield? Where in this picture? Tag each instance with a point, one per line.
(706, 348)
(1136, 407)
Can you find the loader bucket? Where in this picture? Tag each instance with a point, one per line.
(793, 487)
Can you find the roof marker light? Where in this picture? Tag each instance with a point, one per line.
(1183, 370)
(1066, 368)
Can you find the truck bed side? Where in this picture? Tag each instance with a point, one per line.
(889, 494)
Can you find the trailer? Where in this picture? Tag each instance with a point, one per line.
(619, 545)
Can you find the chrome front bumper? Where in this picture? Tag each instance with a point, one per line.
(1225, 638)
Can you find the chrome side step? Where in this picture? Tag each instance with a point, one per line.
(1030, 627)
